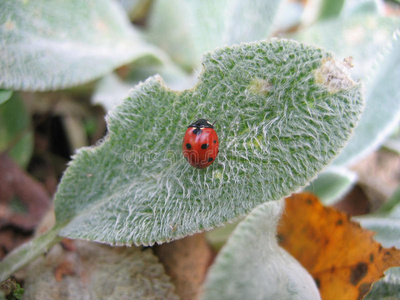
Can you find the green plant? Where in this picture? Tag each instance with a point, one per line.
(285, 110)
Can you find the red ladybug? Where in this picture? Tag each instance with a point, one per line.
(200, 144)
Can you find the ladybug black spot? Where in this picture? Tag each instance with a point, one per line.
(204, 146)
(188, 146)
(210, 159)
(215, 141)
(197, 131)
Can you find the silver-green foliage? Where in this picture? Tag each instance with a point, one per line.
(253, 266)
(284, 110)
(374, 45)
(361, 37)
(48, 45)
(382, 111)
(111, 89)
(188, 28)
(332, 184)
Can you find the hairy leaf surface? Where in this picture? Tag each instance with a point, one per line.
(382, 111)
(188, 28)
(284, 110)
(373, 44)
(253, 266)
(48, 45)
(361, 37)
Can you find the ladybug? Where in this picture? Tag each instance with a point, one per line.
(200, 144)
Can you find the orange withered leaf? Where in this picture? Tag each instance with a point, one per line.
(342, 257)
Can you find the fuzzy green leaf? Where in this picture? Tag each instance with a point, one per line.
(49, 45)
(284, 110)
(332, 184)
(217, 237)
(111, 89)
(253, 266)
(188, 28)
(361, 36)
(382, 111)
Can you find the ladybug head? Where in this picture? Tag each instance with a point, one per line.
(201, 123)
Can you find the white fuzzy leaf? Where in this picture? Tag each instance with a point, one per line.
(284, 110)
(188, 28)
(253, 266)
(48, 45)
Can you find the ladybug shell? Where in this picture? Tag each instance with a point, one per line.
(200, 144)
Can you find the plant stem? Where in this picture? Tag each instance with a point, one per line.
(27, 252)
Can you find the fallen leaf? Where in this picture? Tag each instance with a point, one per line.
(342, 257)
